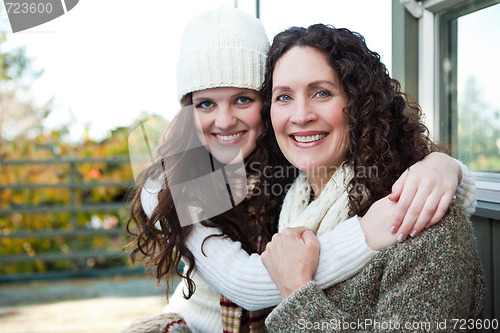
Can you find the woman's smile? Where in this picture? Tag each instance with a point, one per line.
(307, 139)
(231, 138)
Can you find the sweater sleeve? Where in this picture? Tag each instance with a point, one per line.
(466, 191)
(426, 281)
(243, 279)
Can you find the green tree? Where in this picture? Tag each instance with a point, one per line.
(478, 130)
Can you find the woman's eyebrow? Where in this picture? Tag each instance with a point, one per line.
(310, 84)
(201, 98)
(319, 82)
(280, 88)
(245, 92)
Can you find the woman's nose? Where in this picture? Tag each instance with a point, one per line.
(225, 118)
(303, 113)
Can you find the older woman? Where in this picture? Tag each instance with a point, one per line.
(335, 111)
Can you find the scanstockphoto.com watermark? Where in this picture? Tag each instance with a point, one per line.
(26, 14)
(273, 173)
(369, 324)
(280, 172)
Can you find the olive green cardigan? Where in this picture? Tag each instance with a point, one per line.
(425, 282)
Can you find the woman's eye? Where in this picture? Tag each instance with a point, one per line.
(322, 94)
(283, 98)
(243, 100)
(205, 105)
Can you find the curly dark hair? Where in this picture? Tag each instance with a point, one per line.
(385, 129)
(163, 249)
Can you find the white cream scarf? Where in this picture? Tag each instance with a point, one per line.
(325, 212)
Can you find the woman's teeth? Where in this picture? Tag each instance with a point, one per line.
(311, 138)
(229, 137)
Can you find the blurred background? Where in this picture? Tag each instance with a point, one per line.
(72, 89)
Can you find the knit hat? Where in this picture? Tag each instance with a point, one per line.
(222, 48)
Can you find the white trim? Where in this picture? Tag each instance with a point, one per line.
(488, 191)
(426, 71)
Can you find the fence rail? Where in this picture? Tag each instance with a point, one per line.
(70, 230)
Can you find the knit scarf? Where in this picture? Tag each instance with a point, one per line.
(325, 212)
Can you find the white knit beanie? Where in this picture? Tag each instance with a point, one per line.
(222, 48)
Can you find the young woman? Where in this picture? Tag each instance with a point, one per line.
(325, 82)
(220, 72)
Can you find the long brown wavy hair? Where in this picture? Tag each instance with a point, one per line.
(386, 132)
(162, 249)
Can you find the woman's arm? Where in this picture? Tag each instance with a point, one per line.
(243, 279)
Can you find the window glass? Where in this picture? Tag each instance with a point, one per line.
(478, 96)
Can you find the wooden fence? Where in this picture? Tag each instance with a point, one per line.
(69, 230)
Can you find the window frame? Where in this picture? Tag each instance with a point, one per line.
(444, 15)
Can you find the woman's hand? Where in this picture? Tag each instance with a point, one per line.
(423, 194)
(291, 258)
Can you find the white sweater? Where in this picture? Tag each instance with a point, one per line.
(243, 278)
(202, 312)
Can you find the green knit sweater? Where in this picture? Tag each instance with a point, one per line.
(423, 284)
